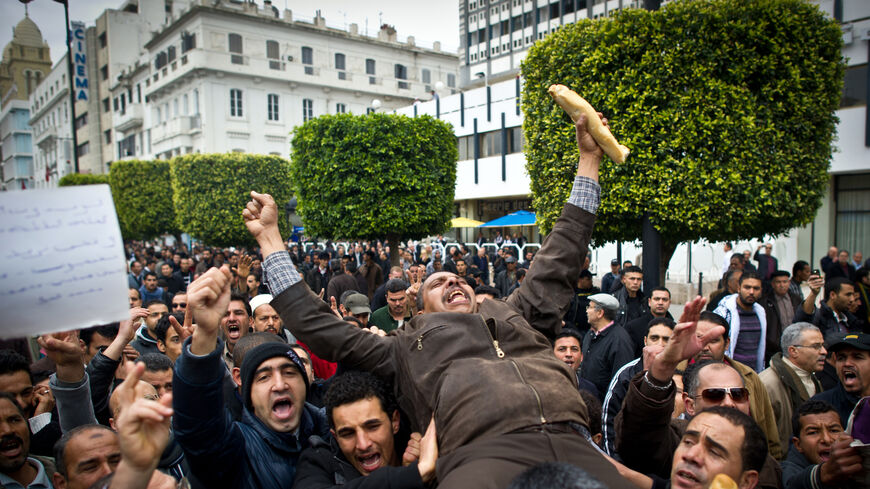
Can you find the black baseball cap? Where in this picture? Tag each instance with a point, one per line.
(860, 341)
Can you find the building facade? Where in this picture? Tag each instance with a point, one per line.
(52, 131)
(26, 62)
(235, 77)
(495, 35)
(491, 176)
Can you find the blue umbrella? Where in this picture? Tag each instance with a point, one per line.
(518, 218)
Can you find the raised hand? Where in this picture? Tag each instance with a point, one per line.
(66, 352)
(585, 142)
(207, 300)
(184, 330)
(684, 343)
(143, 425)
(261, 219)
(334, 306)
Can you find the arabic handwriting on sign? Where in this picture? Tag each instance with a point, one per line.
(46, 300)
(49, 269)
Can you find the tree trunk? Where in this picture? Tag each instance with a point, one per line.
(393, 240)
(668, 249)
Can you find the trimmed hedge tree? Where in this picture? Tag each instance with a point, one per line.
(211, 190)
(374, 176)
(142, 191)
(82, 179)
(727, 106)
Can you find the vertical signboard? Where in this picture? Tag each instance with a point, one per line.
(80, 61)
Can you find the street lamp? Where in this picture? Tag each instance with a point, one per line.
(376, 104)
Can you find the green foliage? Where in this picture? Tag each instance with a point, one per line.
(374, 176)
(142, 192)
(727, 107)
(211, 190)
(82, 179)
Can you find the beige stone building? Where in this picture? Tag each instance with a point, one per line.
(26, 62)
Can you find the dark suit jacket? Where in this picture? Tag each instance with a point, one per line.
(764, 267)
(837, 270)
(775, 325)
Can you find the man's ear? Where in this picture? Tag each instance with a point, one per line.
(58, 481)
(83, 346)
(689, 404)
(236, 373)
(161, 346)
(797, 444)
(395, 421)
(748, 479)
(597, 438)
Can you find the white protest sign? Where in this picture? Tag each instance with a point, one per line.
(63, 261)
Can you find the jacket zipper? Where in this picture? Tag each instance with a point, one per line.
(500, 353)
(535, 392)
(424, 333)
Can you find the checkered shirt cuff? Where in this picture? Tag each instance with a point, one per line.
(585, 194)
(281, 272)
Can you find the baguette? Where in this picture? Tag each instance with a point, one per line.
(722, 481)
(575, 105)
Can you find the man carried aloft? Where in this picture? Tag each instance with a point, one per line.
(456, 356)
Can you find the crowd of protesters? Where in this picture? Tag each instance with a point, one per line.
(278, 367)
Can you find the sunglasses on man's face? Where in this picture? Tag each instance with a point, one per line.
(717, 394)
(180, 304)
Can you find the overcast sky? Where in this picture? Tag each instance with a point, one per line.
(426, 20)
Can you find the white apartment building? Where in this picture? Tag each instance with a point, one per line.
(492, 180)
(496, 34)
(52, 129)
(229, 76)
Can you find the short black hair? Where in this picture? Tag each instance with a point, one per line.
(155, 362)
(105, 330)
(11, 362)
(244, 300)
(811, 406)
(9, 397)
(668, 322)
(836, 285)
(749, 274)
(154, 301)
(487, 290)
(163, 325)
(394, 285)
(712, 317)
(798, 266)
(780, 273)
(632, 269)
(354, 386)
(60, 445)
(371, 254)
(593, 409)
(149, 274)
(754, 450)
(350, 266)
(861, 274)
(660, 288)
(569, 333)
(556, 475)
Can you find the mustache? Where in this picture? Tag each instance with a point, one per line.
(11, 437)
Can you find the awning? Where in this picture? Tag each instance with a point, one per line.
(518, 218)
(464, 222)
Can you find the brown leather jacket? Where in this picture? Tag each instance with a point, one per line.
(481, 374)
